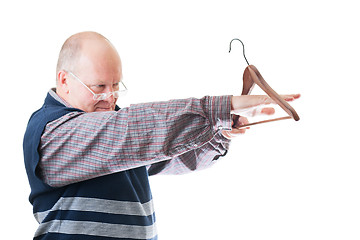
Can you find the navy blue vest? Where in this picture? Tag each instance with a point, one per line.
(115, 206)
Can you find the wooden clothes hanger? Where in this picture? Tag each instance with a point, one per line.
(251, 77)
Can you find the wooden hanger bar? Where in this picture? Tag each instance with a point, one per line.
(265, 121)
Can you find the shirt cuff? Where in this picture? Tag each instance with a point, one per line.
(220, 112)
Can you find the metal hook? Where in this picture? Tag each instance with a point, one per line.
(243, 49)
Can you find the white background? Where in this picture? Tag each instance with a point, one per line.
(284, 180)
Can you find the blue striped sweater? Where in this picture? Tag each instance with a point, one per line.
(117, 205)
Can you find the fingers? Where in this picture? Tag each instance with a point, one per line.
(234, 132)
(291, 97)
(238, 121)
(245, 102)
(267, 111)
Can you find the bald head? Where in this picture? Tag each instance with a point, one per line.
(78, 44)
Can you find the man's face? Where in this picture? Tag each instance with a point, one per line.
(99, 68)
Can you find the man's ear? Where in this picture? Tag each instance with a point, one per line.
(62, 81)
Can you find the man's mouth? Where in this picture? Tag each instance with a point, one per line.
(104, 109)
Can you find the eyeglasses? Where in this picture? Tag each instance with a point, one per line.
(102, 96)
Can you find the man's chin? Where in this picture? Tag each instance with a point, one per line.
(104, 109)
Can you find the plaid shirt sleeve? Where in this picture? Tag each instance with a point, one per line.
(169, 137)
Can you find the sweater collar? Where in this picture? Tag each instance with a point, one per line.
(52, 92)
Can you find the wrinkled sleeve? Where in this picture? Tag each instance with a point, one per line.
(196, 159)
(81, 146)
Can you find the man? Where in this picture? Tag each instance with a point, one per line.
(88, 161)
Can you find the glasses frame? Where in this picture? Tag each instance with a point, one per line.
(101, 96)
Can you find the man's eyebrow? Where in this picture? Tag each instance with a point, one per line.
(103, 82)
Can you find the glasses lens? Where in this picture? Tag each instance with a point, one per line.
(120, 93)
(103, 96)
(100, 96)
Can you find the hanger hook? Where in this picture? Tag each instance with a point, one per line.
(243, 49)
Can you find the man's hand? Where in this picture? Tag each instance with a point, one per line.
(250, 105)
